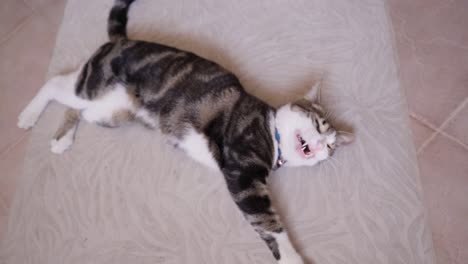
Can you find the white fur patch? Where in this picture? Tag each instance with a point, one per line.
(102, 110)
(144, 116)
(288, 254)
(196, 146)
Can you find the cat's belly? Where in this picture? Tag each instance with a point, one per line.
(196, 146)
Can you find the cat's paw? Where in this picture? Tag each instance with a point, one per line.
(59, 146)
(28, 118)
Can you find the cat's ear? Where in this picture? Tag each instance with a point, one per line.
(314, 93)
(344, 138)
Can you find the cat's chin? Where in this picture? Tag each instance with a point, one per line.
(301, 162)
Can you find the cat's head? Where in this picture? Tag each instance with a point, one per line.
(307, 137)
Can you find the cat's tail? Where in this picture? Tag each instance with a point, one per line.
(117, 22)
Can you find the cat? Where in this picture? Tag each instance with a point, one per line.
(202, 109)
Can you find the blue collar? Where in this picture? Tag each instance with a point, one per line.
(280, 160)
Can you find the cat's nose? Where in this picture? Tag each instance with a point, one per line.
(322, 141)
(319, 144)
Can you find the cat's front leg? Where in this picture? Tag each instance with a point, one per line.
(60, 88)
(249, 191)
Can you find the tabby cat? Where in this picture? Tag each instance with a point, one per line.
(203, 109)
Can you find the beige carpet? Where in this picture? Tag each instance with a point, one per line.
(122, 196)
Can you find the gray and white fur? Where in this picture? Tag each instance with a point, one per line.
(203, 109)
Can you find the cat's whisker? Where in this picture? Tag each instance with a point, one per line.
(335, 160)
(332, 165)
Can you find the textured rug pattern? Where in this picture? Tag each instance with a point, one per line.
(123, 196)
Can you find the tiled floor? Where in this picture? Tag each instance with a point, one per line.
(432, 43)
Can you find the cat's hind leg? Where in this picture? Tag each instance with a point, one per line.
(64, 136)
(60, 88)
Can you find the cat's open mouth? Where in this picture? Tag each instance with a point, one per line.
(304, 148)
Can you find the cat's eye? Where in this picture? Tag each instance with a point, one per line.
(317, 125)
(320, 124)
(331, 150)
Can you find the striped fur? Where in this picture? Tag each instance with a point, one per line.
(180, 91)
(117, 22)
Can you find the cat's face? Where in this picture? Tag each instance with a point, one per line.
(307, 137)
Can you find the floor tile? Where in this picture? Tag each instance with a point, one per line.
(12, 13)
(10, 166)
(444, 81)
(444, 175)
(433, 20)
(458, 126)
(38, 4)
(52, 10)
(23, 67)
(432, 40)
(420, 132)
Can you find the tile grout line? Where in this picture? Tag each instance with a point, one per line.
(37, 11)
(15, 30)
(10, 34)
(30, 6)
(440, 129)
(431, 137)
(424, 121)
(10, 147)
(454, 139)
